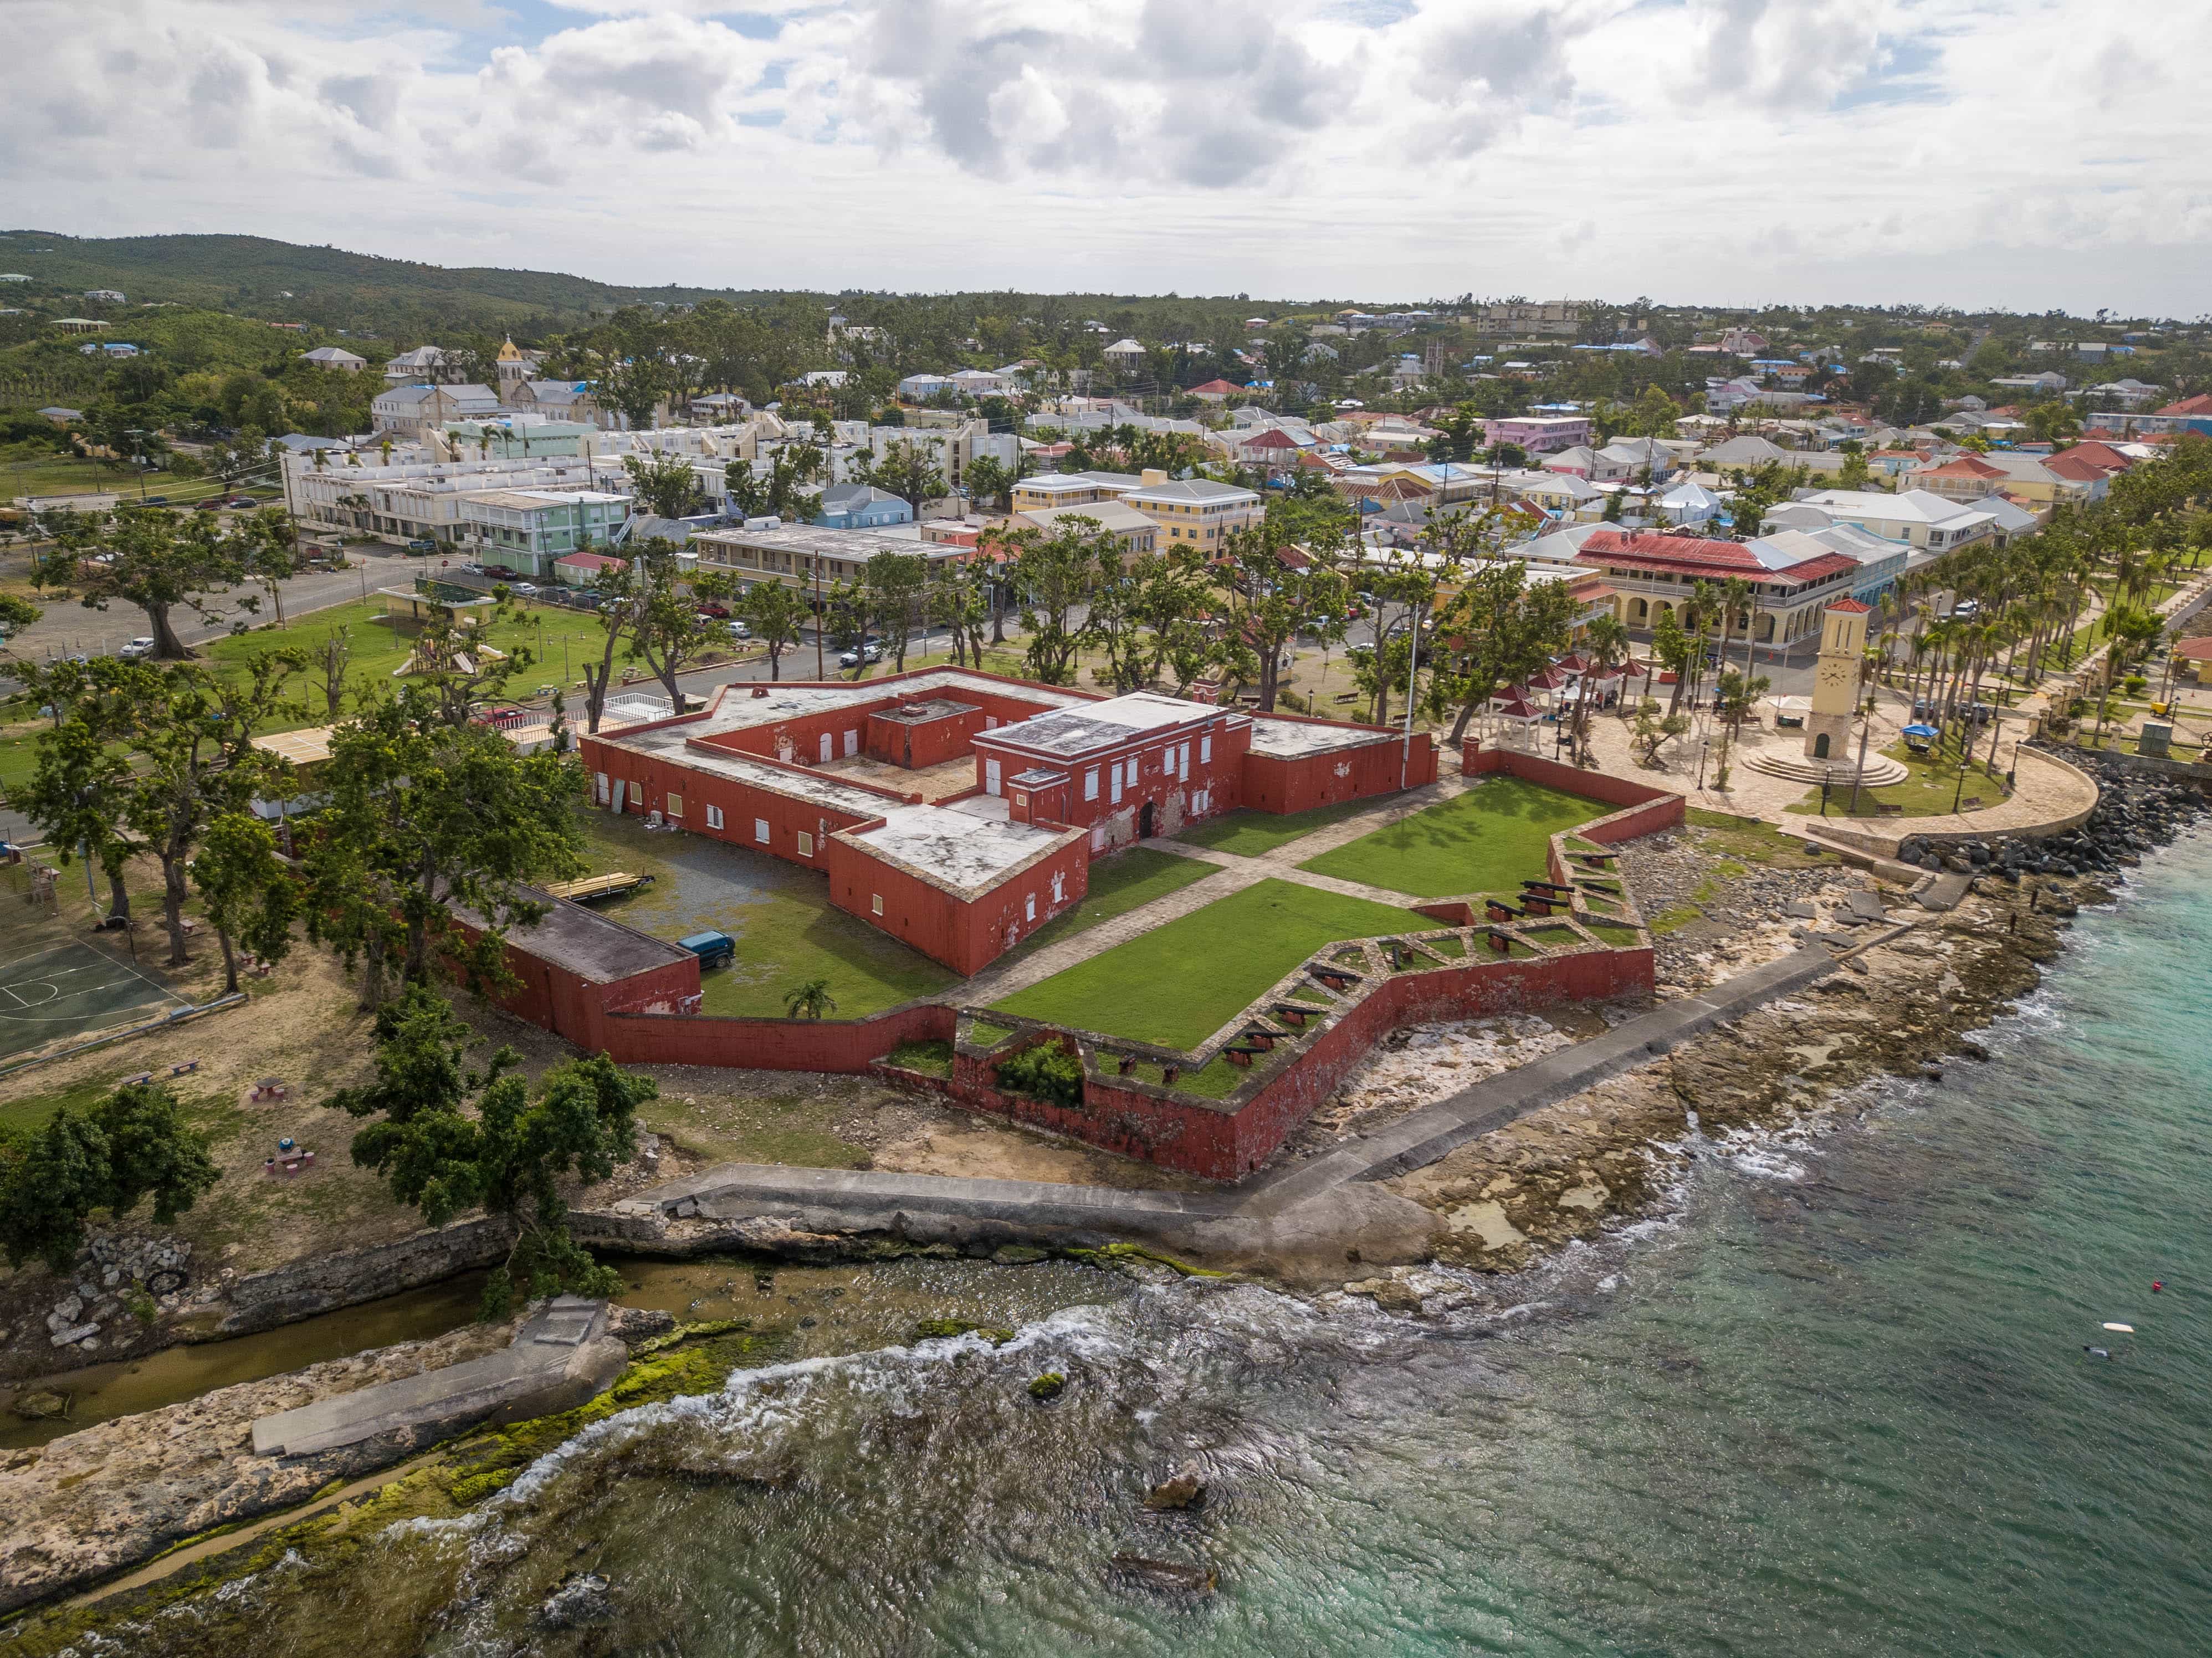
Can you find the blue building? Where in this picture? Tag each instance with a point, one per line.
(860, 507)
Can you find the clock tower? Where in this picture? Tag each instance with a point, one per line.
(1835, 683)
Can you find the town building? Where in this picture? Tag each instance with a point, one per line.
(1133, 531)
(1652, 574)
(861, 507)
(1041, 491)
(337, 357)
(960, 811)
(1193, 510)
(804, 556)
(1532, 319)
(412, 411)
(1539, 434)
(1917, 516)
(528, 529)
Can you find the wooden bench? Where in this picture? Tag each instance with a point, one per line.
(1971, 803)
(1882, 810)
(184, 1069)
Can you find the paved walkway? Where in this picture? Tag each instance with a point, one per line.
(738, 1191)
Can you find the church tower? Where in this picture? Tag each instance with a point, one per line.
(1835, 683)
(513, 368)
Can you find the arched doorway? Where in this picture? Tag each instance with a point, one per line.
(1145, 815)
(1820, 746)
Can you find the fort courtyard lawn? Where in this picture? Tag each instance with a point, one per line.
(1489, 839)
(1178, 984)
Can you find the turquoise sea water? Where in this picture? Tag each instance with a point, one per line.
(1838, 1403)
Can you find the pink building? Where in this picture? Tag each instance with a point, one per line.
(1539, 434)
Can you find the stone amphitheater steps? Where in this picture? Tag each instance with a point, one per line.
(1880, 769)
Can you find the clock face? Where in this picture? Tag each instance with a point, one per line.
(1835, 673)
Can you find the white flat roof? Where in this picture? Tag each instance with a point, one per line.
(1288, 739)
(954, 848)
(1091, 725)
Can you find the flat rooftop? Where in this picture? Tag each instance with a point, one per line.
(596, 948)
(736, 709)
(1289, 739)
(927, 710)
(673, 743)
(952, 849)
(1100, 725)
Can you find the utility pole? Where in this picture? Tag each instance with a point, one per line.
(819, 670)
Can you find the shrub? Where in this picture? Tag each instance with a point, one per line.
(1046, 1071)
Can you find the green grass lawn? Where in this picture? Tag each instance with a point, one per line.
(1249, 833)
(1489, 839)
(1929, 790)
(787, 930)
(63, 475)
(1126, 881)
(1178, 984)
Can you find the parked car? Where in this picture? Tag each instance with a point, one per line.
(208, 507)
(242, 503)
(157, 501)
(860, 654)
(527, 589)
(137, 650)
(499, 571)
(585, 599)
(719, 612)
(712, 949)
(738, 630)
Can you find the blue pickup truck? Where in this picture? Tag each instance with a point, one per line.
(712, 949)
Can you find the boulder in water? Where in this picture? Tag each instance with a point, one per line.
(1184, 1489)
(41, 1406)
(1049, 1386)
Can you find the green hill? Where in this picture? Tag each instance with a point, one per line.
(255, 277)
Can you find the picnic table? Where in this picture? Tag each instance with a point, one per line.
(269, 1088)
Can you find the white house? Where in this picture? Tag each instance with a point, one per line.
(1124, 353)
(333, 356)
(1924, 520)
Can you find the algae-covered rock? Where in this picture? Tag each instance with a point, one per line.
(1185, 1489)
(1048, 1386)
(938, 1329)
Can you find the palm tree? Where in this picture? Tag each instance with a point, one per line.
(1604, 643)
(809, 1000)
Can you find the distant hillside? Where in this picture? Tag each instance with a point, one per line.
(252, 275)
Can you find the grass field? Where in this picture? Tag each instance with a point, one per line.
(1487, 840)
(1250, 834)
(787, 930)
(1126, 881)
(1178, 984)
(1929, 789)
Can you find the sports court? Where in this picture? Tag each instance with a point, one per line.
(72, 990)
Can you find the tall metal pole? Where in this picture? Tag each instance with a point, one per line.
(818, 669)
(1413, 667)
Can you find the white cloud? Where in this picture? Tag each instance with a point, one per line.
(2031, 153)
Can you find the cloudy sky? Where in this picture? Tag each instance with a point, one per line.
(2024, 153)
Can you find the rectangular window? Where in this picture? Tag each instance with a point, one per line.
(713, 817)
(601, 784)
(805, 844)
(879, 903)
(1090, 784)
(1182, 763)
(1029, 907)
(1116, 780)
(990, 722)
(1059, 889)
(760, 830)
(675, 805)
(1205, 750)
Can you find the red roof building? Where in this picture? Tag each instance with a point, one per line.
(1216, 391)
(1036, 782)
(1652, 574)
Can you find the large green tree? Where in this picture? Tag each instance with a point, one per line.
(775, 614)
(250, 893)
(158, 561)
(132, 1145)
(449, 1139)
(421, 819)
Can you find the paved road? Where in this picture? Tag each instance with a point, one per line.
(68, 627)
